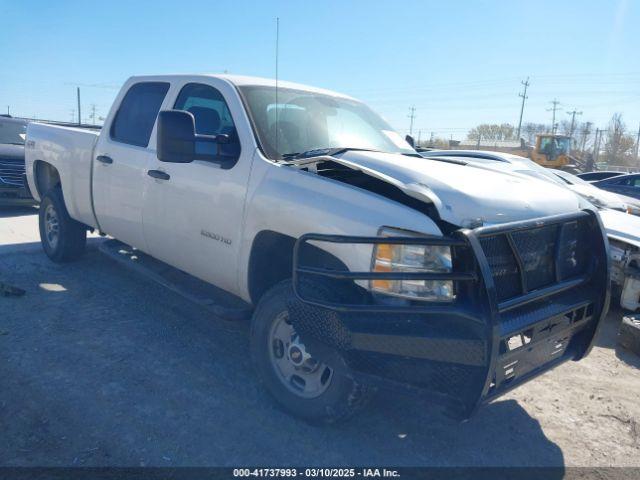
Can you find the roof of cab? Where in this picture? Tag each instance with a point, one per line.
(242, 80)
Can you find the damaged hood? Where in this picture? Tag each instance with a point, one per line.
(464, 194)
(621, 226)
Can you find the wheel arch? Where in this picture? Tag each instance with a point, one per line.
(45, 176)
(271, 261)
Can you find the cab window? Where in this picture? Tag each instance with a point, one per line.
(212, 117)
(138, 112)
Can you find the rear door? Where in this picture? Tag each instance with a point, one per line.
(122, 159)
(193, 217)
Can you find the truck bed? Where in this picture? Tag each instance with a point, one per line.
(70, 151)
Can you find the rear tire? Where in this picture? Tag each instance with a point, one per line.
(63, 239)
(334, 397)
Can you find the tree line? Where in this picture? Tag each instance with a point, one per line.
(616, 145)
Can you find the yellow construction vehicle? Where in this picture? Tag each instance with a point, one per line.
(553, 151)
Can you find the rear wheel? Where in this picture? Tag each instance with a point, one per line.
(63, 239)
(300, 383)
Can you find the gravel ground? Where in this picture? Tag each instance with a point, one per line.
(102, 367)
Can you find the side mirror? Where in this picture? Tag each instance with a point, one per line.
(410, 140)
(176, 140)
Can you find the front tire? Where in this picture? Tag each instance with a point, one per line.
(63, 239)
(302, 385)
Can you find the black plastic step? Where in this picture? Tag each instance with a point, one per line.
(219, 302)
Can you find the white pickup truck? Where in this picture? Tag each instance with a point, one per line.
(366, 264)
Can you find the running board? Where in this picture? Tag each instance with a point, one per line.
(220, 303)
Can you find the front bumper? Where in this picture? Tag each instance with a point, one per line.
(465, 353)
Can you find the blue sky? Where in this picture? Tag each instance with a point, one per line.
(459, 62)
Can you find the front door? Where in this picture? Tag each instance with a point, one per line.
(121, 163)
(193, 214)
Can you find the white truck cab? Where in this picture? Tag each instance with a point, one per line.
(366, 264)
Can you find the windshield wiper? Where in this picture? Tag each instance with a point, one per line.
(320, 152)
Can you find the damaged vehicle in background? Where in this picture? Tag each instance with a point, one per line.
(622, 229)
(365, 263)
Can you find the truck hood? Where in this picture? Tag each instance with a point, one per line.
(621, 226)
(465, 195)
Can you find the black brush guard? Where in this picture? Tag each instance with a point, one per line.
(463, 353)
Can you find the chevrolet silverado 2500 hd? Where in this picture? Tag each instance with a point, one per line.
(366, 264)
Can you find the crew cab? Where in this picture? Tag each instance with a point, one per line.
(365, 264)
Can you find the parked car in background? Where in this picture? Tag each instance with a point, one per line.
(13, 187)
(601, 175)
(623, 230)
(628, 185)
(364, 262)
(599, 197)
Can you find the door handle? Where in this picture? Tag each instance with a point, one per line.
(159, 174)
(104, 159)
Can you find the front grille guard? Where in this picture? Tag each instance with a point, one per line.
(488, 310)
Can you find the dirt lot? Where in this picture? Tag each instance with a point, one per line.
(100, 366)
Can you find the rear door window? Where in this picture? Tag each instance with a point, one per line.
(138, 112)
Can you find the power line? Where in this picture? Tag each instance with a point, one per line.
(524, 97)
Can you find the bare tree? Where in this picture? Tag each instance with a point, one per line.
(492, 132)
(618, 144)
(530, 130)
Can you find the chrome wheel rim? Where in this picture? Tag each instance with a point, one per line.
(296, 369)
(51, 226)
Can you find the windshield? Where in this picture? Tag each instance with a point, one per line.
(310, 121)
(13, 132)
(555, 145)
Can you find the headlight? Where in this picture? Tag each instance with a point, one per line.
(412, 258)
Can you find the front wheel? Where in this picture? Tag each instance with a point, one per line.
(63, 239)
(300, 383)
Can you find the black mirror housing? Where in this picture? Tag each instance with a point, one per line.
(410, 140)
(176, 137)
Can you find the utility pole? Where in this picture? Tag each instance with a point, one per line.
(8, 110)
(419, 137)
(524, 97)
(79, 111)
(596, 146)
(638, 143)
(553, 109)
(93, 113)
(573, 120)
(412, 116)
(585, 133)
